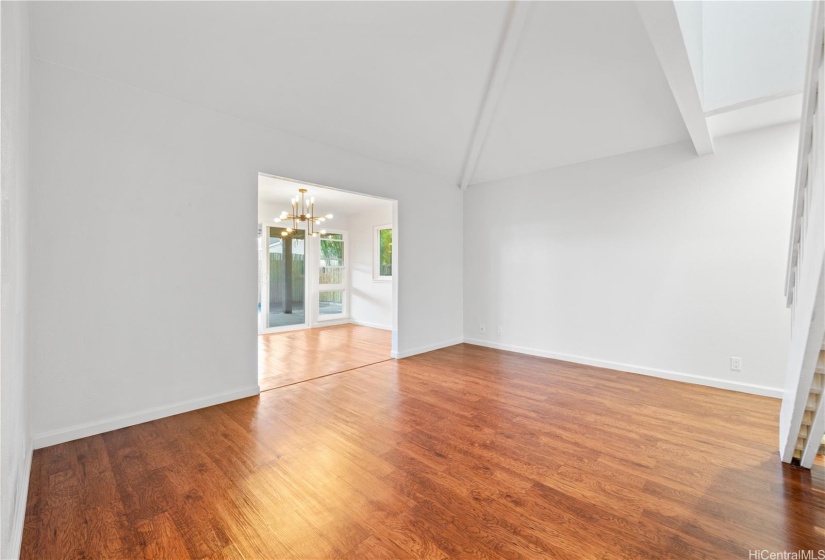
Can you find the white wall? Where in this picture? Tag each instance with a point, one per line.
(753, 49)
(269, 210)
(656, 261)
(143, 223)
(370, 300)
(15, 446)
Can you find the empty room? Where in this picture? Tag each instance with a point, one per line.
(533, 279)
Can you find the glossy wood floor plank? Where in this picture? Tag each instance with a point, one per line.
(296, 356)
(465, 452)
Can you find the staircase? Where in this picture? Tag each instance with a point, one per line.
(810, 418)
(802, 417)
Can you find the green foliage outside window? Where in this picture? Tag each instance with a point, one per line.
(385, 252)
(332, 250)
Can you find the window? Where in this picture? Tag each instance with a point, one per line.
(382, 260)
(331, 302)
(332, 277)
(332, 258)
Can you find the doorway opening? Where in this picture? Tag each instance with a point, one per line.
(326, 291)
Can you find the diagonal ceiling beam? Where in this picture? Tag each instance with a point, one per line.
(518, 13)
(662, 26)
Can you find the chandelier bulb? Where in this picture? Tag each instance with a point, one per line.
(303, 209)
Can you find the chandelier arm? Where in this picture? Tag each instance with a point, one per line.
(303, 210)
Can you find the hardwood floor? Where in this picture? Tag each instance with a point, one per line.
(462, 452)
(295, 356)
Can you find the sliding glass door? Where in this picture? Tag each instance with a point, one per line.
(283, 290)
(293, 296)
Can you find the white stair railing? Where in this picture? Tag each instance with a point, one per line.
(802, 417)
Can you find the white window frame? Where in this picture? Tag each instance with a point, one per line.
(376, 253)
(342, 287)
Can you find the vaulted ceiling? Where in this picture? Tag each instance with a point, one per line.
(401, 82)
(584, 84)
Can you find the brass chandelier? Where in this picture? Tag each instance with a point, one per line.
(303, 210)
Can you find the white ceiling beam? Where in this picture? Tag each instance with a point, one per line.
(662, 26)
(518, 13)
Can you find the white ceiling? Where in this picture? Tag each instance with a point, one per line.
(397, 81)
(586, 84)
(277, 191)
(401, 82)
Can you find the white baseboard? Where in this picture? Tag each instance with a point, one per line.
(371, 325)
(16, 541)
(330, 323)
(63, 435)
(750, 388)
(427, 348)
(319, 324)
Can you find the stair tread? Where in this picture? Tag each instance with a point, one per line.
(818, 382)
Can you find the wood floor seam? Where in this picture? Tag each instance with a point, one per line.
(463, 452)
(323, 376)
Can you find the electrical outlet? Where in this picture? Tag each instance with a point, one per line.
(482, 328)
(500, 331)
(735, 363)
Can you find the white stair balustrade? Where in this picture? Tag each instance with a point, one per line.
(802, 417)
